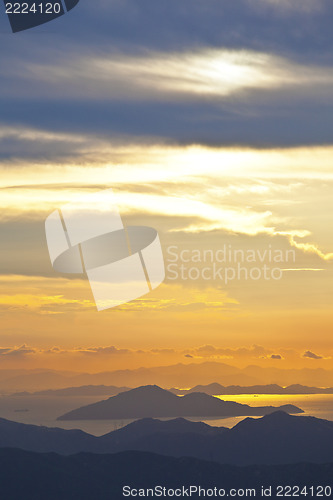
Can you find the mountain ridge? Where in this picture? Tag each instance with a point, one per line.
(87, 476)
(277, 438)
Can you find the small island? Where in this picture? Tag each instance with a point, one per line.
(153, 402)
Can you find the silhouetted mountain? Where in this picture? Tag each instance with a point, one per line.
(218, 389)
(44, 439)
(32, 476)
(301, 389)
(141, 428)
(277, 438)
(179, 432)
(152, 401)
(177, 437)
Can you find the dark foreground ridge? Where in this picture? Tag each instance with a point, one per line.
(32, 476)
(152, 401)
(275, 439)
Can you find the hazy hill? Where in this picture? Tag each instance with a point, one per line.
(33, 380)
(218, 389)
(152, 401)
(183, 375)
(211, 389)
(166, 376)
(35, 476)
(84, 390)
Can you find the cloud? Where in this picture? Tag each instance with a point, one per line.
(258, 122)
(163, 351)
(105, 25)
(305, 6)
(41, 304)
(311, 355)
(107, 350)
(170, 76)
(118, 65)
(102, 355)
(4, 350)
(22, 350)
(210, 351)
(189, 96)
(254, 195)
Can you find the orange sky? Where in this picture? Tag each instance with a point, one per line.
(282, 203)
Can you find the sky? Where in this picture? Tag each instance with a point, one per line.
(211, 121)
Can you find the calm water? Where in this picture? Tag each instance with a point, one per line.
(316, 405)
(43, 410)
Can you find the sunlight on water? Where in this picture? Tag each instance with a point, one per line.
(316, 405)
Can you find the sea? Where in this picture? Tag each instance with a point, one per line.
(44, 410)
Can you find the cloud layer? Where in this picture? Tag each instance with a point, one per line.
(169, 70)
